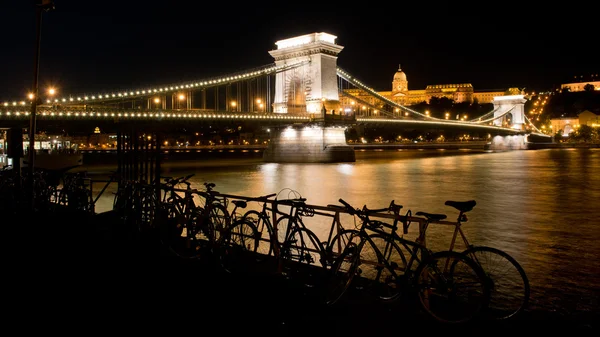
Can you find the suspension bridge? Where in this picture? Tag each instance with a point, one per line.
(304, 98)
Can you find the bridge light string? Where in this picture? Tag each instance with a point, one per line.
(107, 113)
(209, 82)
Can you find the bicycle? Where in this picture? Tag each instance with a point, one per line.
(508, 282)
(239, 241)
(301, 254)
(262, 221)
(450, 286)
(335, 243)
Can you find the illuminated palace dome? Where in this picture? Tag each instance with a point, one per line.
(399, 75)
(400, 83)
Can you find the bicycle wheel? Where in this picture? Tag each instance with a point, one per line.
(375, 277)
(265, 231)
(219, 221)
(509, 285)
(284, 226)
(451, 287)
(338, 244)
(302, 255)
(239, 245)
(341, 274)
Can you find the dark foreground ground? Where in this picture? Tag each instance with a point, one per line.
(89, 276)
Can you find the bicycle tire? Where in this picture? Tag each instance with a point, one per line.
(341, 274)
(239, 244)
(284, 226)
(338, 243)
(302, 255)
(375, 277)
(438, 290)
(509, 285)
(219, 221)
(265, 248)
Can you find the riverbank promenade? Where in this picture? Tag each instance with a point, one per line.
(81, 273)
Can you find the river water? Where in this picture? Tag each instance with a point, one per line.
(540, 206)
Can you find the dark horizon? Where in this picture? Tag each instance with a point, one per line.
(98, 47)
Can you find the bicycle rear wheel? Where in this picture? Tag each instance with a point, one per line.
(302, 254)
(341, 274)
(451, 287)
(220, 221)
(375, 276)
(509, 285)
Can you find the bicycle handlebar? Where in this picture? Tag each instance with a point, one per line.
(263, 197)
(365, 211)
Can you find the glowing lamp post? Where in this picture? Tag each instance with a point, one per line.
(45, 6)
(180, 98)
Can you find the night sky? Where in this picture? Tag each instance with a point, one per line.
(99, 46)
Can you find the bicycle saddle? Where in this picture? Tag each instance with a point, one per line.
(463, 206)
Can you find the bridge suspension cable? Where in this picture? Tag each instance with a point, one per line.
(533, 126)
(484, 116)
(494, 118)
(365, 103)
(171, 88)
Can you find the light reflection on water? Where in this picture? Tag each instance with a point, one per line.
(540, 206)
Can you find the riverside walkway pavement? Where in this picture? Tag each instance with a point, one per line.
(90, 275)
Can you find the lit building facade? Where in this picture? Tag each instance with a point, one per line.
(579, 86)
(569, 124)
(462, 92)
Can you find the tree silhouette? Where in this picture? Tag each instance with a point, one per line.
(588, 87)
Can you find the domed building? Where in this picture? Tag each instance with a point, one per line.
(400, 83)
(462, 92)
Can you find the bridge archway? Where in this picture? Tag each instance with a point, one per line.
(312, 85)
(512, 106)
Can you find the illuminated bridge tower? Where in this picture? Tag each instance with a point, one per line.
(313, 83)
(510, 106)
(309, 85)
(513, 105)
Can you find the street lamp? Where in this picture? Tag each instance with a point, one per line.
(180, 98)
(45, 6)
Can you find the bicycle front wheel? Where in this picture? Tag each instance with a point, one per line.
(509, 285)
(338, 244)
(451, 287)
(240, 243)
(265, 231)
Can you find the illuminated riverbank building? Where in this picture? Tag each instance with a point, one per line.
(459, 93)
